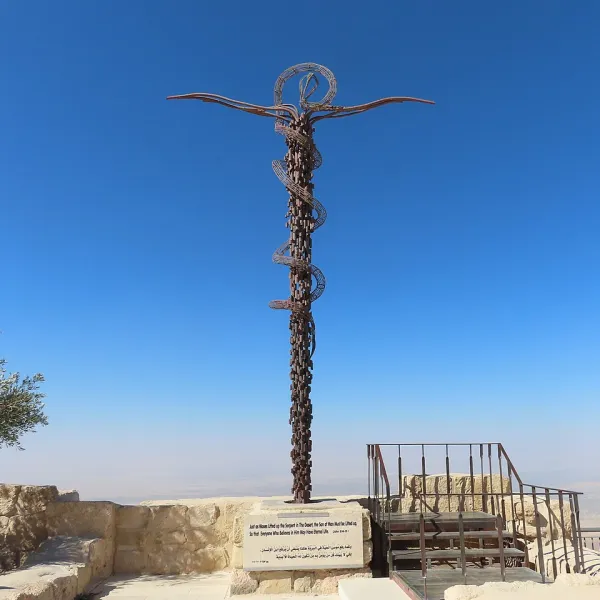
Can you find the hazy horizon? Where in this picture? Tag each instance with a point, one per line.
(251, 466)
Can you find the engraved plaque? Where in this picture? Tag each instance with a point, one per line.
(303, 541)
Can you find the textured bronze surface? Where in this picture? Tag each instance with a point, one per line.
(305, 215)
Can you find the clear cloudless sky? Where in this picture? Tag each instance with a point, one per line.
(461, 249)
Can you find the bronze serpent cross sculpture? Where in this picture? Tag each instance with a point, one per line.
(304, 216)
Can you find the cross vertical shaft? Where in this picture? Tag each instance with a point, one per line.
(299, 161)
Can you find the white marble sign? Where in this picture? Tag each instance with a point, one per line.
(303, 541)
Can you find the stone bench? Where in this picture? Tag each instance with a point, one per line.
(59, 570)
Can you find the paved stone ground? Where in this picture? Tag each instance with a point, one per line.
(163, 587)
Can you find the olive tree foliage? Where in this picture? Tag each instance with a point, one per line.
(21, 406)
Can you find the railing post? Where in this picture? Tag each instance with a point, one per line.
(551, 526)
(503, 507)
(423, 553)
(483, 486)
(400, 478)
(563, 530)
(448, 480)
(578, 538)
(376, 484)
(494, 499)
(369, 476)
(500, 529)
(574, 535)
(513, 508)
(538, 533)
(423, 475)
(522, 498)
(472, 475)
(461, 539)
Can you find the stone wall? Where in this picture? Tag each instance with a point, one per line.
(23, 521)
(158, 538)
(194, 536)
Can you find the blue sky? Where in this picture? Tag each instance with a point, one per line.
(461, 249)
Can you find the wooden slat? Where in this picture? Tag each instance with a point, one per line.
(448, 535)
(441, 517)
(453, 553)
(441, 521)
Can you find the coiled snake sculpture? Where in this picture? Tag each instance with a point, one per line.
(305, 215)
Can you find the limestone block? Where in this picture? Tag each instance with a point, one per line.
(200, 538)
(459, 484)
(206, 526)
(487, 484)
(167, 560)
(229, 511)
(45, 581)
(548, 515)
(366, 519)
(238, 530)
(326, 582)
(367, 552)
(170, 538)
(101, 558)
(210, 559)
(434, 484)
(133, 517)
(129, 561)
(84, 576)
(275, 582)
(237, 557)
(242, 583)
(203, 516)
(132, 538)
(8, 499)
(82, 519)
(36, 591)
(67, 496)
(302, 582)
(24, 533)
(35, 498)
(167, 518)
(64, 587)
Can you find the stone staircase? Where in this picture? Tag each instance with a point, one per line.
(449, 538)
(473, 524)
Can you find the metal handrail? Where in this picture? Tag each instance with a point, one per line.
(496, 501)
(383, 471)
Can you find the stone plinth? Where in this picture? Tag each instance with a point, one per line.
(23, 521)
(305, 548)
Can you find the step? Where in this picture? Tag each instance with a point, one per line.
(453, 553)
(407, 522)
(447, 535)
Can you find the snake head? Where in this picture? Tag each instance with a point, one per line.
(305, 91)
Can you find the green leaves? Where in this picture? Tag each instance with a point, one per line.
(21, 406)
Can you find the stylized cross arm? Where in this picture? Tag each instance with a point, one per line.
(281, 111)
(333, 112)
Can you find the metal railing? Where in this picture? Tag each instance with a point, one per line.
(379, 494)
(591, 538)
(542, 521)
